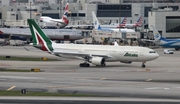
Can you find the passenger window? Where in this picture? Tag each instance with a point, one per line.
(152, 52)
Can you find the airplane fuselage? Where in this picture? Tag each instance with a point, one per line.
(54, 34)
(116, 53)
(172, 43)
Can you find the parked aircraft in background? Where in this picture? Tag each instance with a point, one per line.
(95, 54)
(134, 25)
(116, 25)
(161, 41)
(61, 23)
(97, 26)
(53, 34)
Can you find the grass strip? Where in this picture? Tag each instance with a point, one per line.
(14, 70)
(26, 58)
(18, 93)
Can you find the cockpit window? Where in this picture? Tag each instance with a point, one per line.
(152, 52)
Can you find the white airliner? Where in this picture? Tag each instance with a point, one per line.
(53, 34)
(95, 54)
(134, 25)
(97, 26)
(161, 41)
(61, 23)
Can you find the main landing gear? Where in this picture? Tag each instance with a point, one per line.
(84, 65)
(143, 65)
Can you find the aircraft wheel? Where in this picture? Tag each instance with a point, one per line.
(143, 66)
(86, 64)
(81, 65)
(176, 48)
(104, 64)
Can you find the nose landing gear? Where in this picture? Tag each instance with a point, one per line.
(143, 65)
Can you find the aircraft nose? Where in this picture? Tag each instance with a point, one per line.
(156, 55)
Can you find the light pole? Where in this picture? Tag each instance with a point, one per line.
(30, 10)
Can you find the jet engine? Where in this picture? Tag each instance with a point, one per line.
(58, 24)
(126, 62)
(98, 61)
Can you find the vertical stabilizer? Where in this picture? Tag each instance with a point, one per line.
(65, 14)
(156, 34)
(124, 20)
(123, 23)
(139, 21)
(95, 21)
(40, 39)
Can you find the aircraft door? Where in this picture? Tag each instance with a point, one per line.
(142, 52)
(66, 37)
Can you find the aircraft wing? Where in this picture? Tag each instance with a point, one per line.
(75, 53)
(79, 26)
(58, 21)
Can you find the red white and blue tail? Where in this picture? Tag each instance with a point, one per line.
(123, 22)
(64, 17)
(139, 21)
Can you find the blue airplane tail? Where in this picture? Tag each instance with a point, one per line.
(156, 34)
(96, 22)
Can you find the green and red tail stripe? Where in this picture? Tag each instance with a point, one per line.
(39, 37)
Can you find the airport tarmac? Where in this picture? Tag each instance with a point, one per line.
(160, 78)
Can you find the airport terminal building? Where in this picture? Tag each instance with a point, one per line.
(16, 12)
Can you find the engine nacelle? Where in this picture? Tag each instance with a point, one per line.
(126, 62)
(58, 24)
(98, 61)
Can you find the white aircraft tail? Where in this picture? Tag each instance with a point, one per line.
(95, 21)
(157, 35)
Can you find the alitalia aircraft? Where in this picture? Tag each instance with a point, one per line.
(95, 54)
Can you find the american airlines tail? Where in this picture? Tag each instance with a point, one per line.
(95, 21)
(64, 17)
(139, 21)
(40, 40)
(157, 36)
(123, 23)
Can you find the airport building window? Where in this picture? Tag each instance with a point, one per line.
(54, 15)
(136, 14)
(73, 14)
(82, 15)
(175, 8)
(172, 24)
(146, 10)
(110, 13)
(114, 7)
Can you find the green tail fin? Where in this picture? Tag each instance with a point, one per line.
(39, 37)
